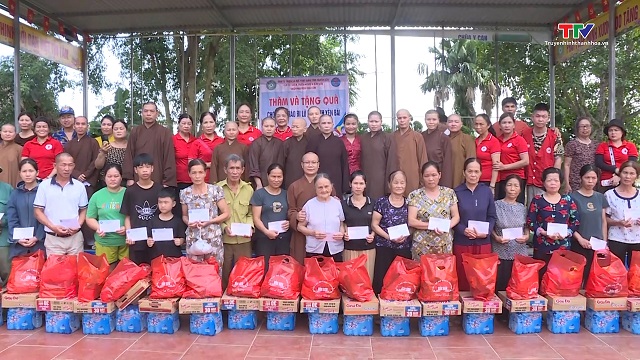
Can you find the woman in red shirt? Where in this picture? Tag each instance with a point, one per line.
(183, 142)
(514, 156)
(352, 142)
(43, 149)
(247, 133)
(203, 146)
(487, 150)
(611, 154)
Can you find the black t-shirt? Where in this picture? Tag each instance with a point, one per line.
(358, 217)
(141, 205)
(166, 248)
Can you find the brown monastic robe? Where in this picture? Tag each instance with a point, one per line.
(412, 154)
(84, 151)
(439, 150)
(294, 150)
(10, 155)
(156, 141)
(220, 155)
(262, 153)
(378, 160)
(334, 160)
(311, 131)
(464, 147)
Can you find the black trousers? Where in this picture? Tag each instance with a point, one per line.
(504, 274)
(337, 257)
(267, 247)
(622, 250)
(588, 254)
(384, 258)
(140, 256)
(501, 191)
(538, 255)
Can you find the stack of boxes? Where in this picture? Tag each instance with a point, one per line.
(478, 315)
(395, 316)
(603, 314)
(525, 316)
(22, 313)
(358, 316)
(631, 317)
(128, 315)
(243, 312)
(60, 317)
(435, 317)
(205, 317)
(98, 318)
(323, 315)
(162, 317)
(563, 316)
(281, 314)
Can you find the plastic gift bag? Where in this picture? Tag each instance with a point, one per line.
(122, 278)
(25, 273)
(524, 281)
(320, 279)
(59, 277)
(402, 280)
(564, 274)
(439, 278)
(202, 278)
(607, 277)
(354, 279)
(481, 271)
(167, 278)
(634, 274)
(284, 278)
(246, 277)
(200, 246)
(92, 273)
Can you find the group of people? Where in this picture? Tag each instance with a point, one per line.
(295, 187)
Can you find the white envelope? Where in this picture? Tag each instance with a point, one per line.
(240, 229)
(398, 231)
(22, 233)
(597, 244)
(164, 234)
(1, 216)
(276, 226)
(199, 215)
(512, 233)
(629, 214)
(555, 228)
(443, 225)
(137, 234)
(358, 232)
(481, 227)
(109, 226)
(70, 223)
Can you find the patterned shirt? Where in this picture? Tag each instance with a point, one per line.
(509, 216)
(542, 212)
(212, 234)
(391, 216)
(616, 210)
(427, 241)
(61, 136)
(581, 154)
(558, 149)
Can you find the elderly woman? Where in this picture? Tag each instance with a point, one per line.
(324, 226)
(10, 155)
(622, 214)
(611, 154)
(578, 153)
(25, 132)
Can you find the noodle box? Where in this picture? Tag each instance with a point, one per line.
(408, 309)
(441, 308)
(94, 307)
(167, 306)
(633, 304)
(607, 304)
(354, 307)
(567, 303)
(53, 304)
(537, 304)
(136, 291)
(27, 300)
(228, 302)
(472, 306)
(278, 305)
(319, 306)
(199, 306)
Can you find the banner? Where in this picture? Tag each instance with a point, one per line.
(328, 92)
(40, 44)
(626, 18)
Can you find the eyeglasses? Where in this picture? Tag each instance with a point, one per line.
(310, 162)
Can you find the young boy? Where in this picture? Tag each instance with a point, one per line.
(139, 205)
(166, 220)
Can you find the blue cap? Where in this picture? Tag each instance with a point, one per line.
(66, 110)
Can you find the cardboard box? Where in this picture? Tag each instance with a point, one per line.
(279, 305)
(228, 302)
(19, 300)
(319, 306)
(353, 307)
(94, 307)
(158, 305)
(411, 308)
(199, 306)
(473, 306)
(51, 304)
(633, 304)
(438, 308)
(133, 294)
(537, 304)
(567, 303)
(607, 304)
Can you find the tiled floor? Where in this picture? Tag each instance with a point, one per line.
(299, 344)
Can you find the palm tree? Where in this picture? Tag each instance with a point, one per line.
(458, 73)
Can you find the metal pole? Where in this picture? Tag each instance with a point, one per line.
(291, 55)
(612, 62)
(17, 109)
(393, 81)
(344, 49)
(194, 63)
(495, 43)
(232, 70)
(85, 77)
(375, 60)
(182, 76)
(552, 85)
(131, 95)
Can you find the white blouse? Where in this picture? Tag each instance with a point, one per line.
(617, 206)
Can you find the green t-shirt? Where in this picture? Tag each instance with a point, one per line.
(105, 205)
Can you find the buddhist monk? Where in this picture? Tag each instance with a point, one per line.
(412, 152)
(438, 147)
(294, 149)
(264, 151)
(378, 157)
(334, 160)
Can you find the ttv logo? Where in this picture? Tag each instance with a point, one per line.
(574, 30)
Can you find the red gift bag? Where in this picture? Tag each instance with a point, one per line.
(246, 277)
(354, 279)
(92, 273)
(25, 273)
(481, 271)
(167, 278)
(564, 274)
(320, 279)
(284, 278)
(634, 274)
(402, 280)
(607, 277)
(59, 277)
(122, 278)
(439, 278)
(202, 278)
(524, 281)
